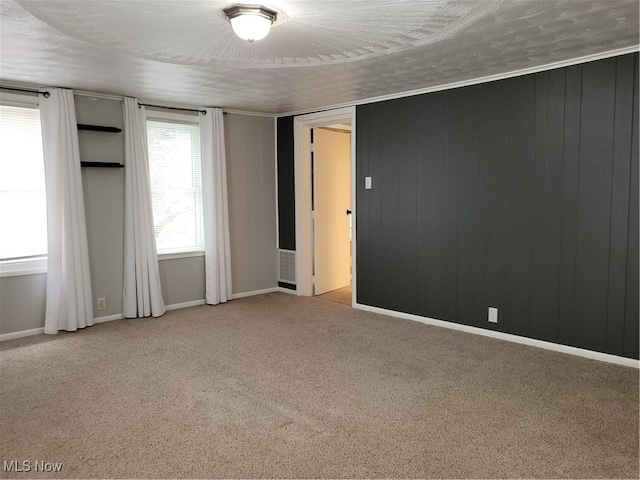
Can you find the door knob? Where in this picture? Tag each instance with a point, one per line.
(348, 212)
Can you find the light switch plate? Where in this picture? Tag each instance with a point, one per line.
(367, 183)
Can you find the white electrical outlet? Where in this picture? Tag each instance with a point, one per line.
(493, 315)
(367, 183)
(102, 303)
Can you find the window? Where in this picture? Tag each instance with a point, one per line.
(176, 186)
(23, 204)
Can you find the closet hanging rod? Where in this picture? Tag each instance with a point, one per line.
(204, 112)
(44, 94)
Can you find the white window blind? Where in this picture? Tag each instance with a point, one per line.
(23, 204)
(176, 186)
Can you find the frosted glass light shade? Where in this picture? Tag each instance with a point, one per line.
(250, 22)
(251, 27)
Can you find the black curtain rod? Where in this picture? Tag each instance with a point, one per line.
(204, 112)
(45, 94)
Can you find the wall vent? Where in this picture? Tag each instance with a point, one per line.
(287, 266)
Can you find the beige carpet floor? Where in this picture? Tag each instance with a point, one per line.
(289, 387)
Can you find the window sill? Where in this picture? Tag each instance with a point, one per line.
(15, 268)
(172, 256)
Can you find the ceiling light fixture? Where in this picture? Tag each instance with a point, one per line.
(251, 22)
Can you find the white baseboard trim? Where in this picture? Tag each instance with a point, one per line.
(21, 333)
(108, 318)
(177, 306)
(255, 292)
(286, 290)
(556, 347)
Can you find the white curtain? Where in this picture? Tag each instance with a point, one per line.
(215, 206)
(69, 304)
(142, 292)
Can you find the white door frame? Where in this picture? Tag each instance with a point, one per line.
(302, 126)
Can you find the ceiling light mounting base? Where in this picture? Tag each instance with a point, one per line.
(251, 22)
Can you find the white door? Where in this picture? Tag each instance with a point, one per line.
(331, 201)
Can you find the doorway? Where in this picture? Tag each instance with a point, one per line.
(331, 207)
(305, 241)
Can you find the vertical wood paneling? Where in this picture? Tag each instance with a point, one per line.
(449, 208)
(386, 189)
(407, 296)
(239, 202)
(252, 206)
(519, 197)
(286, 185)
(520, 194)
(363, 208)
(369, 231)
(418, 132)
(465, 110)
(569, 216)
(430, 139)
(264, 166)
(496, 201)
(546, 215)
(594, 204)
(620, 182)
(481, 173)
(631, 317)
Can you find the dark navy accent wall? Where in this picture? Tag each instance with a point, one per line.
(520, 194)
(286, 185)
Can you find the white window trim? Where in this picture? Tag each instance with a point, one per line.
(16, 268)
(185, 119)
(21, 266)
(180, 254)
(21, 100)
(172, 117)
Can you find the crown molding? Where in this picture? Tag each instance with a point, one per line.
(473, 81)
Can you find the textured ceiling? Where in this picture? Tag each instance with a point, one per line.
(325, 52)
